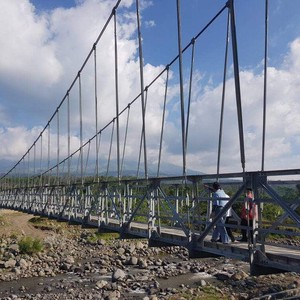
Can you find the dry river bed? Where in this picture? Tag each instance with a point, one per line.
(76, 263)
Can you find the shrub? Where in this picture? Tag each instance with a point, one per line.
(271, 211)
(13, 235)
(29, 245)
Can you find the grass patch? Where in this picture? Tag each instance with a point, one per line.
(43, 223)
(107, 236)
(38, 220)
(29, 245)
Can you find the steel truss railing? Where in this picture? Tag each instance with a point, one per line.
(176, 210)
(177, 202)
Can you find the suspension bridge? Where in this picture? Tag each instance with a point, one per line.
(79, 168)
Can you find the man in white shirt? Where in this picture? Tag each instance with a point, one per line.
(220, 200)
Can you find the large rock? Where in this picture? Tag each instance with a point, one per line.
(133, 260)
(11, 263)
(143, 263)
(14, 248)
(23, 263)
(101, 284)
(69, 260)
(118, 275)
(121, 251)
(139, 245)
(131, 248)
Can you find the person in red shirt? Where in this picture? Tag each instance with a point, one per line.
(248, 214)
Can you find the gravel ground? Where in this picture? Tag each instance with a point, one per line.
(77, 263)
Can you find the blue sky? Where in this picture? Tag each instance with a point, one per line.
(283, 25)
(46, 42)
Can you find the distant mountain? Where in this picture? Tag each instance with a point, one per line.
(166, 170)
(5, 166)
(129, 169)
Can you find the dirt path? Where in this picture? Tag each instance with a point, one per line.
(14, 222)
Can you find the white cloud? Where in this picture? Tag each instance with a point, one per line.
(283, 115)
(39, 63)
(50, 49)
(150, 23)
(26, 49)
(15, 140)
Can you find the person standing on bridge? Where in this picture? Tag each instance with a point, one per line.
(247, 216)
(220, 233)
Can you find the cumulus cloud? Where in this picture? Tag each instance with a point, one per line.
(15, 140)
(28, 54)
(41, 56)
(282, 116)
(39, 63)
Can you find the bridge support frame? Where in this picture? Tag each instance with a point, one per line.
(261, 265)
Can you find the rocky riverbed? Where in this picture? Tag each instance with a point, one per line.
(77, 263)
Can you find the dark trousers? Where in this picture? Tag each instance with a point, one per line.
(228, 229)
(244, 222)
